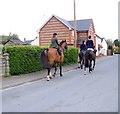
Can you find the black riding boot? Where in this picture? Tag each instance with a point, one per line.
(59, 51)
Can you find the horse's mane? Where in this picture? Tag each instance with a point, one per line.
(62, 42)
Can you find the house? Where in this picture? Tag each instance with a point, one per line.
(101, 45)
(34, 42)
(15, 42)
(65, 30)
(25, 42)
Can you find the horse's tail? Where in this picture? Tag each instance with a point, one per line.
(44, 58)
(46, 51)
(86, 59)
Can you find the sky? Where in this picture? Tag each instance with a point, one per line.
(25, 17)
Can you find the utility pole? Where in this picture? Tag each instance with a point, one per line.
(75, 34)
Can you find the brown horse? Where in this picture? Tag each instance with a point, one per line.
(51, 56)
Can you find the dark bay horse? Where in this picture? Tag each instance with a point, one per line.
(81, 59)
(90, 60)
(51, 57)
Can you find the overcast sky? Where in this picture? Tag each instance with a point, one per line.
(25, 17)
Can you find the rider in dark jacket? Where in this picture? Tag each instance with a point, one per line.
(83, 46)
(90, 44)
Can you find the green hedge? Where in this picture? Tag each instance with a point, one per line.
(26, 59)
(117, 50)
(71, 56)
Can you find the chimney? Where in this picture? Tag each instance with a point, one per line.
(24, 39)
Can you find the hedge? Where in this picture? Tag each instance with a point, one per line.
(26, 59)
(71, 56)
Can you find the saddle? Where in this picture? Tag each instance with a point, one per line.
(58, 50)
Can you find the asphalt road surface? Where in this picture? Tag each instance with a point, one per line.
(74, 92)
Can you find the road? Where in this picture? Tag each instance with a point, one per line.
(74, 92)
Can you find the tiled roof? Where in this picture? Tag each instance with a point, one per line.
(69, 25)
(28, 41)
(82, 25)
(17, 41)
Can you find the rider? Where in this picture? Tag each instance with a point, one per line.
(54, 43)
(82, 53)
(90, 44)
(83, 47)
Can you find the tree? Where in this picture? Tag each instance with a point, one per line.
(109, 42)
(14, 37)
(10, 37)
(117, 43)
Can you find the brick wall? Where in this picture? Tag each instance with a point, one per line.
(54, 25)
(92, 33)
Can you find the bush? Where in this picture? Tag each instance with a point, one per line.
(117, 50)
(26, 59)
(23, 59)
(71, 56)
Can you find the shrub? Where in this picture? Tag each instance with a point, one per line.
(23, 59)
(71, 56)
(26, 59)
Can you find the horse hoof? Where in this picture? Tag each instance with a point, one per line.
(84, 73)
(61, 75)
(53, 75)
(90, 71)
(48, 80)
(78, 67)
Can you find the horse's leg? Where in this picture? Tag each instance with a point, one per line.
(84, 70)
(79, 61)
(90, 65)
(84, 59)
(48, 76)
(93, 64)
(61, 69)
(79, 64)
(82, 63)
(55, 69)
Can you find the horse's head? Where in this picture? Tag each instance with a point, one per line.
(63, 44)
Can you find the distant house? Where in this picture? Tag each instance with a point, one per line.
(34, 42)
(101, 45)
(25, 42)
(15, 42)
(65, 30)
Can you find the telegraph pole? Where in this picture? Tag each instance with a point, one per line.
(75, 34)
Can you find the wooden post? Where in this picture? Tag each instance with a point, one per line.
(75, 34)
